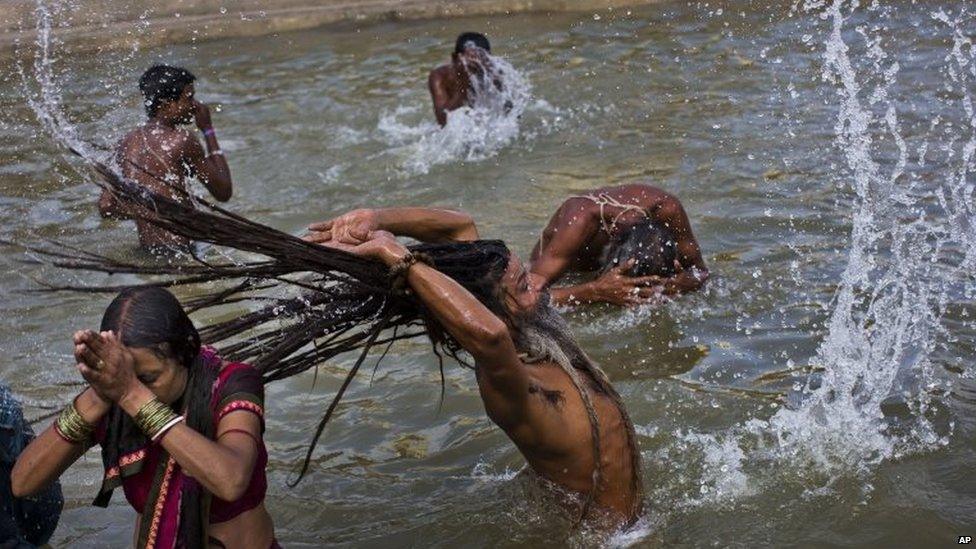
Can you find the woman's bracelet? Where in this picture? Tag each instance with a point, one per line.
(155, 418)
(215, 152)
(72, 427)
(165, 428)
(209, 132)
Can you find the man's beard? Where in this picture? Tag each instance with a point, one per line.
(543, 334)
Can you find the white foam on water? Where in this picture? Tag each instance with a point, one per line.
(484, 472)
(472, 133)
(903, 268)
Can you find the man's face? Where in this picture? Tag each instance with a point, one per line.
(473, 59)
(522, 289)
(185, 105)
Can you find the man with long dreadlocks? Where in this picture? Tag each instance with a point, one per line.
(364, 288)
(637, 237)
(556, 405)
(159, 155)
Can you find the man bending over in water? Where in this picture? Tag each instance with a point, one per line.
(450, 85)
(636, 236)
(556, 405)
(160, 155)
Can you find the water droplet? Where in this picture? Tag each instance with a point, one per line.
(596, 17)
(223, 10)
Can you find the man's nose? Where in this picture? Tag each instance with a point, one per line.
(536, 282)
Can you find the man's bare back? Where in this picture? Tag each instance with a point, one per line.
(448, 90)
(578, 235)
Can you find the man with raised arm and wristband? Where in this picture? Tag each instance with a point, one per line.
(537, 385)
(160, 154)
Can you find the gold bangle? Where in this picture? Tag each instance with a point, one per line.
(153, 417)
(72, 427)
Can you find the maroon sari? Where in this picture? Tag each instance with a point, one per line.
(152, 480)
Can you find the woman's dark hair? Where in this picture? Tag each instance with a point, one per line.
(152, 318)
(161, 84)
(466, 39)
(651, 245)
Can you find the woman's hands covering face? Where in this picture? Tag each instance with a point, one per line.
(105, 363)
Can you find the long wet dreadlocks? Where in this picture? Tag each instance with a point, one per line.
(339, 302)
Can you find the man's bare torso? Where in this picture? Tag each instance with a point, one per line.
(154, 156)
(556, 438)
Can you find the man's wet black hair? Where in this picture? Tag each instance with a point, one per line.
(650, 244)
(466, 39)
(163, 83)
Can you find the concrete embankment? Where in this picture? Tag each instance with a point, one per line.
(89, 25)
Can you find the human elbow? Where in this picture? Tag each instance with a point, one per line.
(224, 194)
(233, 487)
(698, 277)
(21, 485)
(489, 338)
(702, 276)
(466, 230)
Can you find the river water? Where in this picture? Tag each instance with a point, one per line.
(819, 391)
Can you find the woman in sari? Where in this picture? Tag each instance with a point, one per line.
(180, 430)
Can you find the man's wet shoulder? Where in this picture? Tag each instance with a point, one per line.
(440, 73)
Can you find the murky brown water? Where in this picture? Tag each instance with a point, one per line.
(723, 106)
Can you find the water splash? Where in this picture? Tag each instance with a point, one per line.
(46, 101)
(475, 132)
(43, 87)
(902, 270)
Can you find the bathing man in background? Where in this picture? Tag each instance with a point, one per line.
(161, 155)
(451, 85)
(636, 237)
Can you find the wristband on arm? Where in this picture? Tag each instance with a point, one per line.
(209, 132)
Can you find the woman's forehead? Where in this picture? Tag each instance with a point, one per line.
(146, 359)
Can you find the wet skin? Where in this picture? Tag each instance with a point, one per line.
(450, 84)
(536, 404)
(160, 155)
(575, 240)
(129, 377)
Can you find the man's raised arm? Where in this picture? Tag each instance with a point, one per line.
(479, 331)
(211, 166)
(571, 227)
(439, 96)
(423, 224)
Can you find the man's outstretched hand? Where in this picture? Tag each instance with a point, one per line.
(349, 228)
(379, 245)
